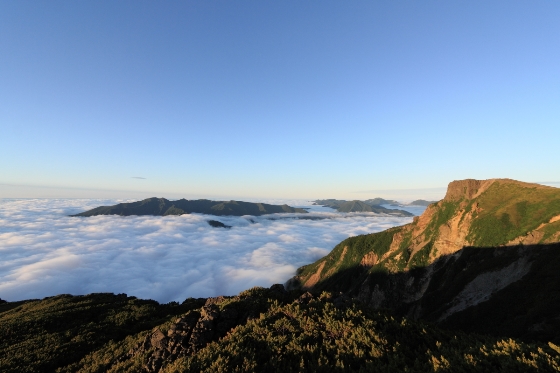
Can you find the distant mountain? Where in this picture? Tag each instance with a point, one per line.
(420, 202)
(483, 259)
(360, 206)
(163, 207)
(380, 201)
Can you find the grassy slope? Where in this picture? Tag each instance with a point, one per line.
(511, 210)
(505, 211)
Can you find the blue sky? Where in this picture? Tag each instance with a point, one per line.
(290, 99)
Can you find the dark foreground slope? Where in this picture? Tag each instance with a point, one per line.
(163, 207)
(261, 330)
(484, 259)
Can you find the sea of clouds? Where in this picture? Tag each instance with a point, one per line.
(44, 252)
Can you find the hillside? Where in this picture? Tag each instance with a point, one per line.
(420, 202)
(163, 207)
(260, 330)
(484, 258)
(361, 206)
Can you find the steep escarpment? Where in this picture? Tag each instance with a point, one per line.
(163, 207)
(463, 253)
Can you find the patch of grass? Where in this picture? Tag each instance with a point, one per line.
(357, 247)
(512, 210)
(445, 212)
(550, 229)
(422, 257)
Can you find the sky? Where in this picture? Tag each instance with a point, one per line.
(284, 99)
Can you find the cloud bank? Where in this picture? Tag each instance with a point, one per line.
(44, 252)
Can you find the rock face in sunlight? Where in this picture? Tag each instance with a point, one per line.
(484, 256)
(163, 207)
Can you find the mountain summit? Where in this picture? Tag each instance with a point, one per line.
(484, 258)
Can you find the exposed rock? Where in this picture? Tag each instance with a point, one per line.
(314, 278)
(369, 260)
(486, 284)
(194, 330)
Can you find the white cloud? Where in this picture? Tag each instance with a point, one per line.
(45, 252)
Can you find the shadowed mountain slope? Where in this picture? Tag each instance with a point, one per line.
(463, 263)
(163, 207)
(260, 330)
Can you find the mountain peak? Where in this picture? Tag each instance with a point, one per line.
(485, 238)
(472, 188)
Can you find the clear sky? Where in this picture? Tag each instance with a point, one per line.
(285, 99)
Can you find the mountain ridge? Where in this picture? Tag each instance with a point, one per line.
(363, 307)
(163, 207)
(370, 205)
(484, 231)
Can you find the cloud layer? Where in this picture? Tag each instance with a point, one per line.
(44, 252)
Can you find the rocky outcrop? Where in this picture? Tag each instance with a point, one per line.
(314, 278)
(194, 330)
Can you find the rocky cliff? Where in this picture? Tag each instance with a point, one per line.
(464, 253)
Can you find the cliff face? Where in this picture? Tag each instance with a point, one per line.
(463, 251)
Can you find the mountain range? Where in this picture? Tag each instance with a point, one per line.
(164, 207)
(483, 259)
(372, 205)
(471, 285)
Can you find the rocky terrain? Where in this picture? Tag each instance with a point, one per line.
(163, 207)
(259, 330)
(471, 285)
(482, 259)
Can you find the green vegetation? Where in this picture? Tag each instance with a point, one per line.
(550, 230)
(354, 249)
(164, 207)
(287, 332)
(320, 337)
(504, 291)
(510, 210)
(446, 210)
(371, 205)
(421, 257)
(39, 336)
(421, 202)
